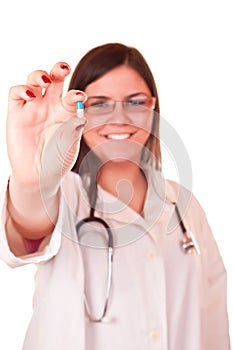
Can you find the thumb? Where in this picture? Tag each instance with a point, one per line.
(60, 153)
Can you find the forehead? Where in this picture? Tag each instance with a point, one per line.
(120, 81)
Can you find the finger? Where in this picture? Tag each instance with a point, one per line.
(20, 94)
(70, 99)
(52, 82)
(57, 75)
(39, 78)
(61, 150)
(60, 71)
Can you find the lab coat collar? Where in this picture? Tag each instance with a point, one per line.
(156, 202)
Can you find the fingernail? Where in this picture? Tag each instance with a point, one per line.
(30, 94)
(65, 66)
(79, 92)
(45, 79)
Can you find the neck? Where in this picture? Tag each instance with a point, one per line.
(125, 180)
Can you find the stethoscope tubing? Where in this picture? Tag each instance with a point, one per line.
(188, 244)
(87, 220)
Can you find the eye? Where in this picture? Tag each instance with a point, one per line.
(98, 104)
(136, 101)
(94, 103)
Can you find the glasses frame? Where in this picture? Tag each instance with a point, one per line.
(90, 109)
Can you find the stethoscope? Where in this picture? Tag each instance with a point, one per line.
(92, 218)
(188, 245)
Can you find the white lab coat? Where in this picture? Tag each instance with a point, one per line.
(161, 298)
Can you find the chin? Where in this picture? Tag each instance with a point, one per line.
(117, 157)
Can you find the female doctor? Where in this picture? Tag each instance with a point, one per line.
(126, 259)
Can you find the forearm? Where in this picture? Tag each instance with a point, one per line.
(32, 213)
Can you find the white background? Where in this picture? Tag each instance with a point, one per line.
(188, 45)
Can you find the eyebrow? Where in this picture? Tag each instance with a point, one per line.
(107, 97)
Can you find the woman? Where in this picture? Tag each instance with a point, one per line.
(154, 295)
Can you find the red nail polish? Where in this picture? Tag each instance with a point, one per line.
(30, 94)
(64, 66)
(45, 79)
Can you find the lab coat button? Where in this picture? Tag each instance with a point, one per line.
(152, 255)
(154, 335)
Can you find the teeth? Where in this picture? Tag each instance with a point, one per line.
(118, 136)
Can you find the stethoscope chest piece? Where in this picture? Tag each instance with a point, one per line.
(189, 244)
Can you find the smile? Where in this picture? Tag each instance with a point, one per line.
(118, 136)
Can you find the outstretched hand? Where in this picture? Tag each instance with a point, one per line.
(43, 133)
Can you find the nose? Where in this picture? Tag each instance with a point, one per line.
(119, 115)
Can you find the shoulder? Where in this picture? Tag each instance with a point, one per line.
(188, 204)
(177, 193)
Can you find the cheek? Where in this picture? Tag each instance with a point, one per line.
(144, 123)
(91, 138)
(145, 130)
(141, 136)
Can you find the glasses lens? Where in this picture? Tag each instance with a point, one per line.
(138, 104)
(98, 106)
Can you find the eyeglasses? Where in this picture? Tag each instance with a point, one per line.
(134, 105)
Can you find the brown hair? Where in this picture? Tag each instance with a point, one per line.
(101, 60)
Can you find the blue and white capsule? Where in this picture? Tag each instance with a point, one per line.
(79, 109)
